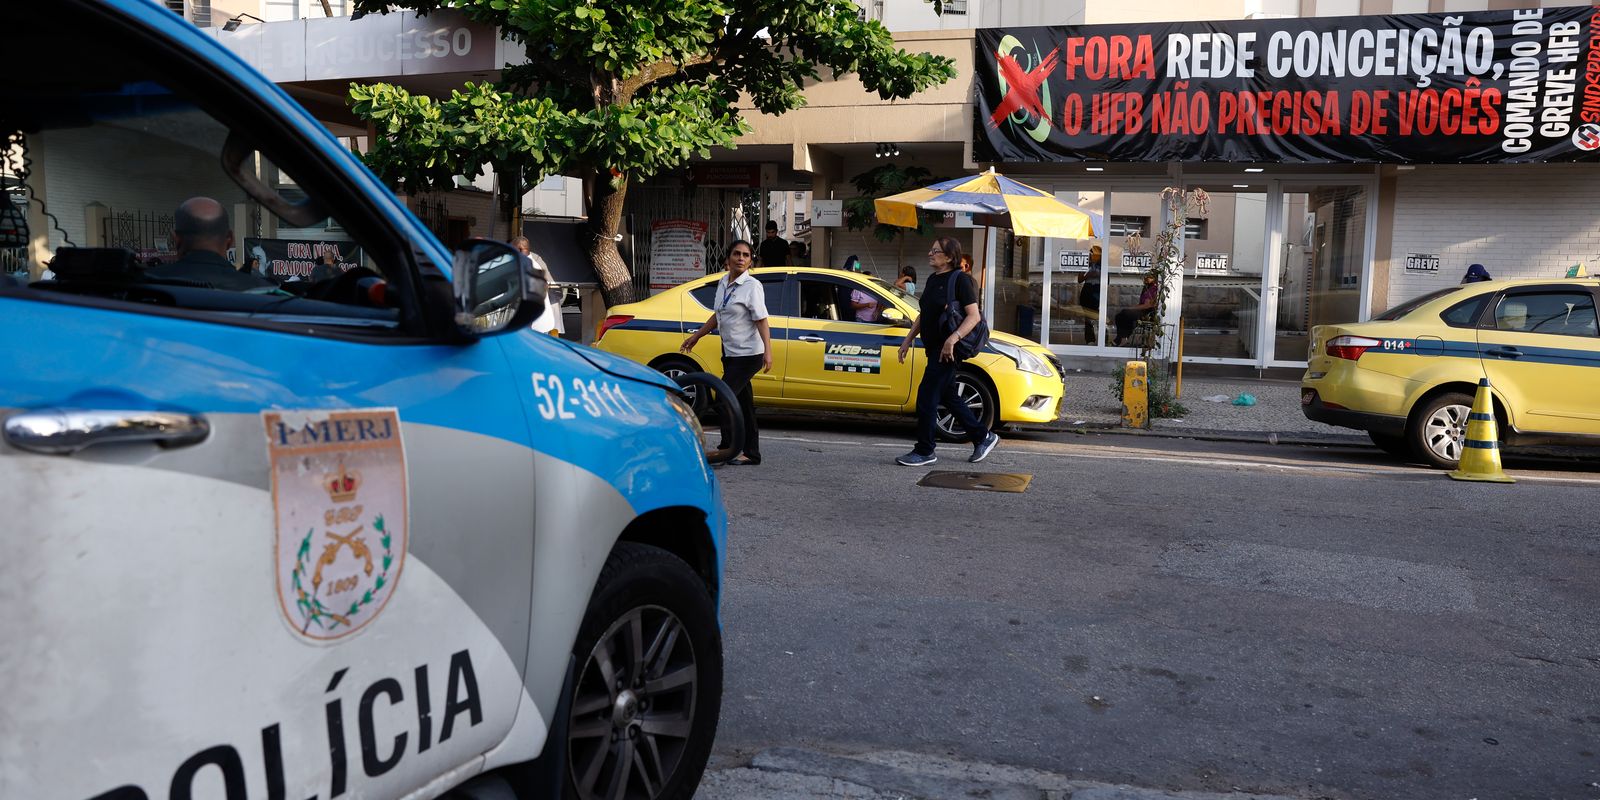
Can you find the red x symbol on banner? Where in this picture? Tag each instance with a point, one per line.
(1022, 87)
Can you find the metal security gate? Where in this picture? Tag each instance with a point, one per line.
(143, 232)
(714, 207)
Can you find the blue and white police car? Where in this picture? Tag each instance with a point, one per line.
(306, 527)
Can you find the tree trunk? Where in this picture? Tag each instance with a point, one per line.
(605, 220)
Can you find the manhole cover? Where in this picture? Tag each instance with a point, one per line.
(980, 481)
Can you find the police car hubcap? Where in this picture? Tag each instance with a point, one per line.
(633, 711)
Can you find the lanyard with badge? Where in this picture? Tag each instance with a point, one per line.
(727, 289)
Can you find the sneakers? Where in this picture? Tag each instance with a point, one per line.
(981, 450)
(915, 459)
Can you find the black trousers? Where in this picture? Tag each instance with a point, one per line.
(1127, 318)
(737, 372)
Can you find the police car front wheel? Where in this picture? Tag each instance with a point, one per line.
(649, 684)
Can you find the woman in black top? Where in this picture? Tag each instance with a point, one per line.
(938, 376)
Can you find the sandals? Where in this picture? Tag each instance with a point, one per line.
(745, 461)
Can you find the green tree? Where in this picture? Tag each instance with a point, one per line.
(620, 89)
(883, 181)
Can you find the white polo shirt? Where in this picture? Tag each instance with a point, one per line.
(738, 307)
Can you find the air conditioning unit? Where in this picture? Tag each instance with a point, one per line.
(195, 11)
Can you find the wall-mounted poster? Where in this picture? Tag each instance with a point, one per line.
(677, 252)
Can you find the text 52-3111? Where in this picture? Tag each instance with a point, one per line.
(594, 399)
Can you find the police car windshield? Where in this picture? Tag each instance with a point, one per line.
(1409, 306)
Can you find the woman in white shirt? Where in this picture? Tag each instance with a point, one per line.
(739, 315)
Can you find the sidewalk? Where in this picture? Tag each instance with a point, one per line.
(1091, 403)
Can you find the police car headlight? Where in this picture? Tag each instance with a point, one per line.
(1026, 361)
(686, 411)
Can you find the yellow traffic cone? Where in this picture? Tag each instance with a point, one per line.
(1480, 458)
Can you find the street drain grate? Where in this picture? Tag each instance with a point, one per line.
(1016, 483)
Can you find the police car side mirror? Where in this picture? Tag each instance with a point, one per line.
(496, 288)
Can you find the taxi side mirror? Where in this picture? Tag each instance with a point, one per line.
(497, 289)
(895, 317)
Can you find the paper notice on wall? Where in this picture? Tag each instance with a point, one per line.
(677, 252)
(1211, 264)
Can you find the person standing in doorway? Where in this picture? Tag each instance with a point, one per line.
(774, 250)
(947, 283)
(739, 315)
(1089, 295)
(549, 321)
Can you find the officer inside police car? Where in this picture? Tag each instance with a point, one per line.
(201, 236)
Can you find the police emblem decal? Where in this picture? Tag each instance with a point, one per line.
(339, 506)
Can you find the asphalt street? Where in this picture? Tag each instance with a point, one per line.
(1168, 614)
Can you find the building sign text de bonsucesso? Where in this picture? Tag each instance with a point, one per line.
(1479, 87)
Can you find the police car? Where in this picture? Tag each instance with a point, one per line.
(290, 535)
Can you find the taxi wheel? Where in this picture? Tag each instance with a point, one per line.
(676, 368)
(1438, 430)
(648, 689)
(978, 396)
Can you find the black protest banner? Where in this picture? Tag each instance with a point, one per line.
(283, 259)
(1480, 87)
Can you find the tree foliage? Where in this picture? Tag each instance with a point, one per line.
(625, 89)
(883, 181)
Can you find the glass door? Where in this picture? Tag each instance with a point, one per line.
(1075, 268)
(1322, 255)
(1223, 275)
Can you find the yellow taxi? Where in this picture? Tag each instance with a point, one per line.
(1408, 376)
(824, 358)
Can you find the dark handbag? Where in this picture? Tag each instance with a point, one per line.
(973, 343)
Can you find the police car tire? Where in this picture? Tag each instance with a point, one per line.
(641, 576)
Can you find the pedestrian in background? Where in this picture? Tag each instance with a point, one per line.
(948, 283)
(774, 250)
(1089, 295)
(739, 315)
(549, 321)
(907, 282)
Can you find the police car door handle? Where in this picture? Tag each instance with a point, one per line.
(64, 431)
(817, 339)
(1505, 352)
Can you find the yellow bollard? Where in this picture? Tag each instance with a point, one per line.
(1177, 388)
(1480, 458)
(1135, 396)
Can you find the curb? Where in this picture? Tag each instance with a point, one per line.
(1216, 435)
(916, 777)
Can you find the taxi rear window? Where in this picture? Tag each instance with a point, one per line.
(1466, 313)
(1409, 306)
